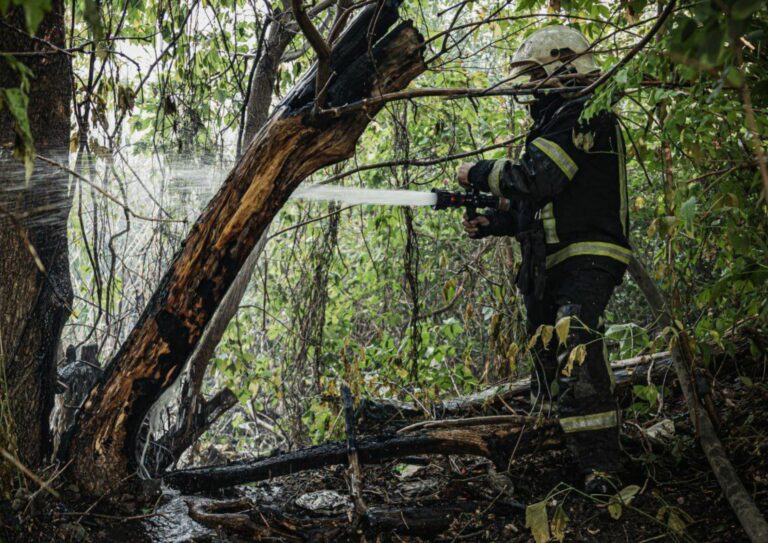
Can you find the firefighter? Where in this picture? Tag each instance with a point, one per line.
(565, 200)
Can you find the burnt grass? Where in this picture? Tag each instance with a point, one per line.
(679, 500)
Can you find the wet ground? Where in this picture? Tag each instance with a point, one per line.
(677, 497)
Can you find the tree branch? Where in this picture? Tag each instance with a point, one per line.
(321, 48)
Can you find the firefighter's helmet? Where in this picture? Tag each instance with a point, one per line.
(554, 49)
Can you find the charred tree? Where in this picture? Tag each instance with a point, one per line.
(35, 287)
(292, 145)
(195, 414)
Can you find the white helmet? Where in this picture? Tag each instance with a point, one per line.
(551, 48)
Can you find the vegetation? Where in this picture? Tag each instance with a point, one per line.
(393, 302)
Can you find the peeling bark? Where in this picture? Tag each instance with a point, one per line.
(291, 146)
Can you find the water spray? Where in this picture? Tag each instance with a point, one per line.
(437, 199)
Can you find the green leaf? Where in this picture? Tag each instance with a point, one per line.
(623, 497)
(92, 16)
(34, 12)
(648, 393)
(688, 209)
(559, 523)
(537, 521)
(17, 101)
(614, 508)
(628, 493)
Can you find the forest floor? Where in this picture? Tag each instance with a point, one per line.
(678, 497)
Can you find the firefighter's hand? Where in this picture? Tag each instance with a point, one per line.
(474, 227)
(462, 174)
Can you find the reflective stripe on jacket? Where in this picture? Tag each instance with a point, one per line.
(574, 174)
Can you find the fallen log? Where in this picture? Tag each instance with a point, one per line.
(497, 442)
(365, 62)
(389, 414)
(262, 522)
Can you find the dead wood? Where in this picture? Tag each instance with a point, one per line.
(388, 414)
(749, 515)
(496, 442)
(285, 151)
(189, 425)
(355, 473)
(261, 522)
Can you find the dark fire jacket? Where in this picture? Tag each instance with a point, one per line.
(572, 176)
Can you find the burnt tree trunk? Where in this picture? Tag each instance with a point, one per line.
(291, 146)
(195, 413)
(34, 304)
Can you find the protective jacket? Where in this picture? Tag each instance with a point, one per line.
(572, 176)
(569, 212)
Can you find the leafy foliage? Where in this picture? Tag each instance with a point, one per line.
(160, 92)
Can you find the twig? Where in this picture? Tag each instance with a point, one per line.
(754, 131)
(104, 495)
(471, 421)
(112, 517)
(151, 68)
(419, 162)
(104, 193)
(355, 474)
(27, 472)
(53, 477)
(526, 89)
(304, 223)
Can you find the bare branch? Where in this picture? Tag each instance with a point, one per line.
(321, 48)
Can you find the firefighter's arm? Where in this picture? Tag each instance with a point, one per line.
(547, 166)
(544, 170)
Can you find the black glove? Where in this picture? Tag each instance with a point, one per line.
(478, 175)
(500, 223)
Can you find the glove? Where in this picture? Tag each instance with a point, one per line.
(492, 223)
(474, 175)
(478, 175)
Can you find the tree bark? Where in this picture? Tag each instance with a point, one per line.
(34, 304)
(291, 146)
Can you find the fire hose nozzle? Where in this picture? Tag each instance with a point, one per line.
(471, 200)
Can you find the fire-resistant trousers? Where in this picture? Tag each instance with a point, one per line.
(578, 386)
